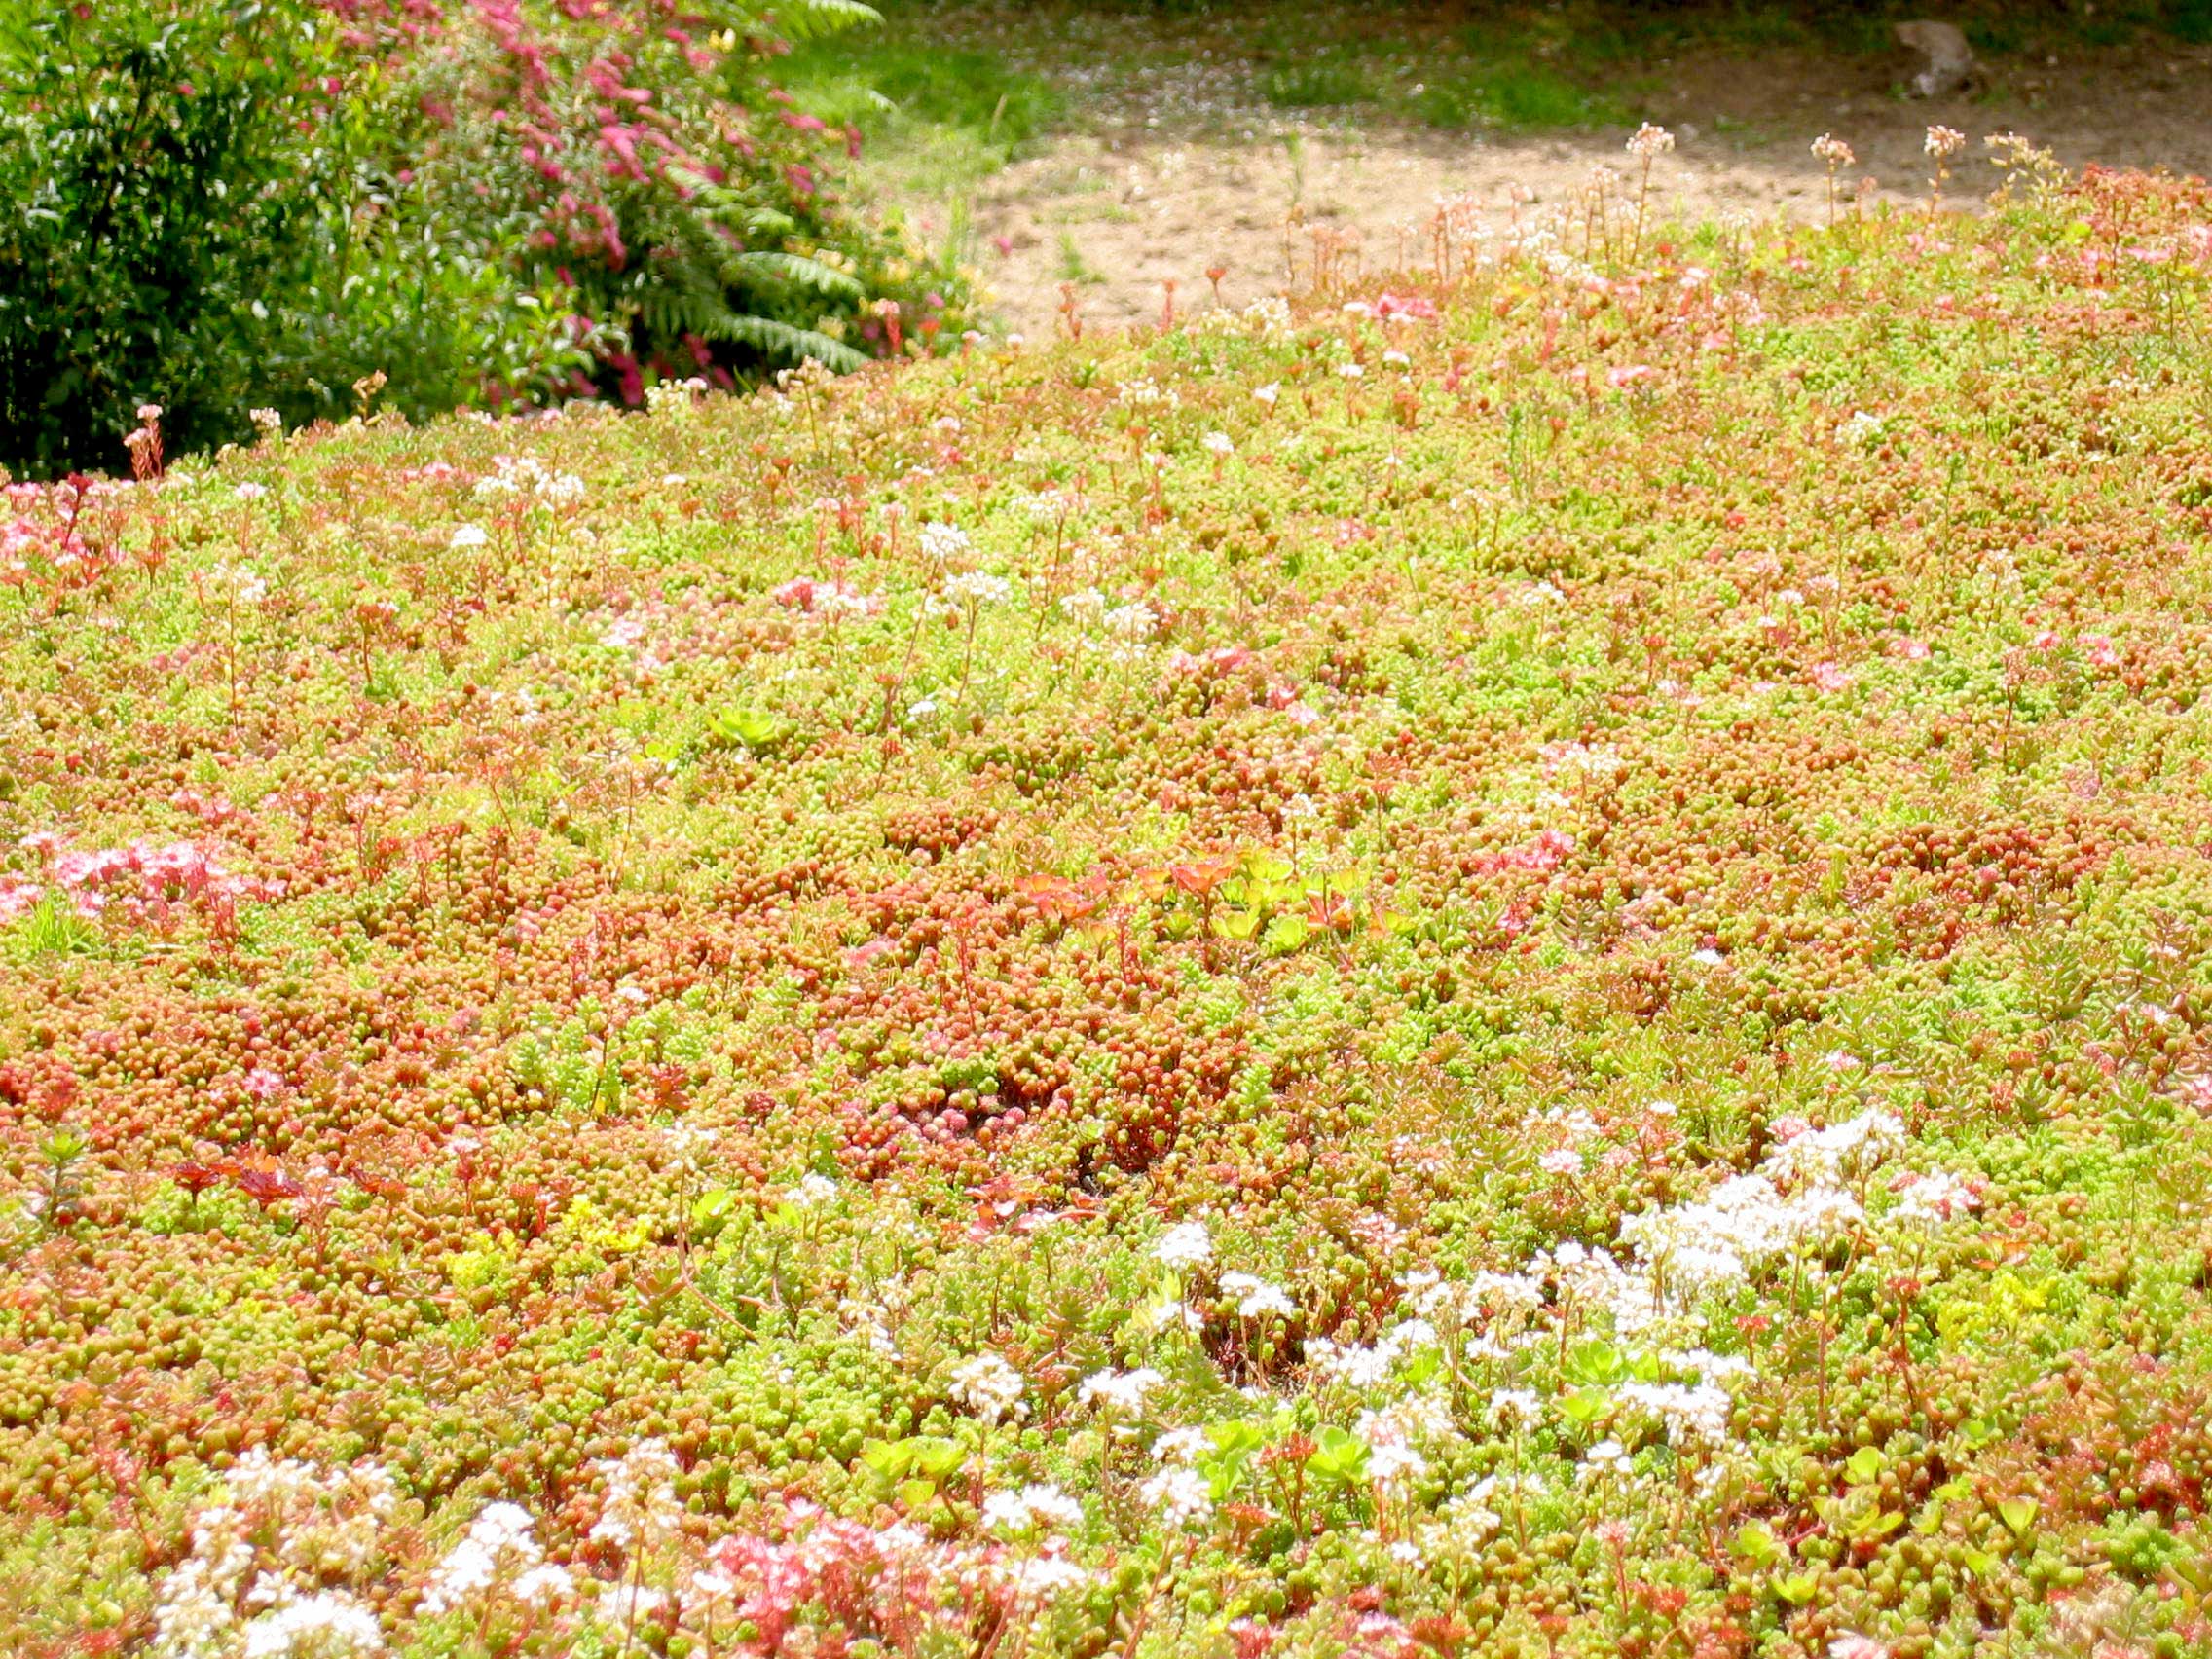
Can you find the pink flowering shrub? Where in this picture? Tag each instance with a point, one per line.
(503, 202)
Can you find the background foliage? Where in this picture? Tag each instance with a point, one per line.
(214, 207)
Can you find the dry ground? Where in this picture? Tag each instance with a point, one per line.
(1184, 167)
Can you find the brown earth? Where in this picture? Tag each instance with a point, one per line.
(1183, 169)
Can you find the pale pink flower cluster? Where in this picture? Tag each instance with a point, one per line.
(142, 882)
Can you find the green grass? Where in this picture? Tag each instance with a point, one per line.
(1072, 265)
(1319, 83)
(1513, 75)
(936, 118)
(1519, 95)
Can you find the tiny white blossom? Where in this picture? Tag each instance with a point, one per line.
(944, 543)
(1186, 1244)
(988, 1386)
(979, 587)
(1119, 1390)
(1179, 1497)
(1255, 1296)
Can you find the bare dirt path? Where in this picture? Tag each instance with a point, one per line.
(1181, 170)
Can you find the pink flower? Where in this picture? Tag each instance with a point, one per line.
(1830, 678)
(1405, 306)
(1626, 374)
(18, 896)
(1908, 647)
(2099, 650)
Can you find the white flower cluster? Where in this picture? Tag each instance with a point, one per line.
(1127, 628)
(1034, 1506)
(988, 1386)
(1743, 1223)
(639, 1509)
(1267, 320)
(1144, 392)
(674, 399)
(499, 1552)
(978, 588)
(527, 476)
(1044, 1576)
(1463, 1525)
(1179, 1497)
(1367, 1365)
(1932, 1199)
(1842, 1149)
(232, 1597)
(1256, 1297)
(1185, 1245)
(1694, 1416)
(944, 543)
(1750, 1220)
(1119, 1390)
(1863, 428)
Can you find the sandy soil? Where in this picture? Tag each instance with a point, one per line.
(1180, 172)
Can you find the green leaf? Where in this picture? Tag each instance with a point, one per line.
(1797, 1588)
(713, 1207)
(1866, 1466)
(1596, 1361)
(1236, 924)
(1874, 1524)
(755, 728)
(2019, 1514)
(1754, 1541)
(1585, 1406)
(890, 1459)
(1337, 1456)
(782, 342)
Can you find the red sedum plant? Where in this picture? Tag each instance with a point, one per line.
(1514, 963)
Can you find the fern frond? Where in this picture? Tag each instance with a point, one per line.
(783, 342)
(806, 272)
(802, 20)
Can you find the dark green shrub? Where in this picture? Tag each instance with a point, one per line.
(151, 169)
(214, 207)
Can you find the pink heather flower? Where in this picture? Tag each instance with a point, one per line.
(2099, 650)
(1830, 678)
(263, 1084)
(1850, 1646)
(1909, 648)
